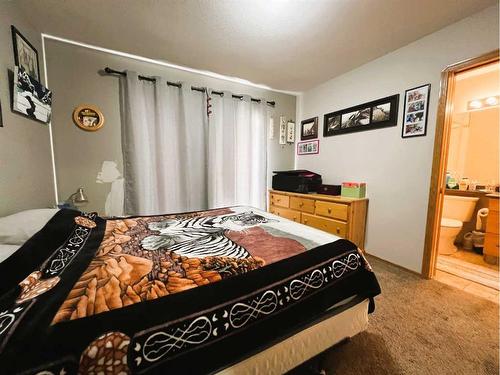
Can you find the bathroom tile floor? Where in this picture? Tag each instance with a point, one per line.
(472, 257)
(467, 286)
(469, 265)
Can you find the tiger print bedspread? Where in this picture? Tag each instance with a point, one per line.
(168, 293)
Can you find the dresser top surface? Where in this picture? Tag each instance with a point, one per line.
(323, 197)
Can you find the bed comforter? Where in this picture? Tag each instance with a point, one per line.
(186, 293)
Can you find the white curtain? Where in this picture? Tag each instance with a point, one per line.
(237, 152)
(164, 131)
(177, 159)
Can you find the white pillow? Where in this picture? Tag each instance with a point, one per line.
(7, 250)
(16, 229)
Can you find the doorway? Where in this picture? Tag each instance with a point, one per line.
(464, 178)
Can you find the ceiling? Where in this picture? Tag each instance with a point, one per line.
(285, 44)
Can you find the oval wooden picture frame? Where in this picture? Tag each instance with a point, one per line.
(92, 112)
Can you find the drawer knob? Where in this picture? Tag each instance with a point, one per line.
(338, 230)
(329, 210)
(305, 220)
(301, 204)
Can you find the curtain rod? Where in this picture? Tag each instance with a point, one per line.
(108, 70)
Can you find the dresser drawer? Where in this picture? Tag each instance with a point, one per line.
(280, 200)
(493, 204)
(328, 225)
(286, 213)
(302, 204)
(330, 209)
(492, 222)
(491, 244)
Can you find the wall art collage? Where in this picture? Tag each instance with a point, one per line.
(376, 114)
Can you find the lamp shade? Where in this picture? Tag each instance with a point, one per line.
(80, 196)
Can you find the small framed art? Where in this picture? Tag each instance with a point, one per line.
(290, 132)
(416, 109)
(309, 129)
(88, 117)
(25, 55)
(30, 98)
(308, 147)
(283, 129)
(376, 114)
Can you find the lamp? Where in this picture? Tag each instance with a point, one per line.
(79, 198)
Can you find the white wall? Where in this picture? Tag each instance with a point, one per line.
(25, 160)
(397, 171)
(73, 74)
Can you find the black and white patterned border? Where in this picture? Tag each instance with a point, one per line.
(166, 341)
(63, 256)
(54, 266)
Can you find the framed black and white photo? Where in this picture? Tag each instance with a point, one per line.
(331, 124)
(25, 55)
(416, 109)
(376, 114)
(30, 98)
(309, 129)
(290, 132)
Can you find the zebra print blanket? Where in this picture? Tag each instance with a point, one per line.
(187, 293)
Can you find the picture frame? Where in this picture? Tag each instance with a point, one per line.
(30, 98)
(25, 55)
(309, 129)
(282, 140)
(1, 119)
(88, 117)
(290, 132)
(376, 114)
(416, 111)
(308, 147)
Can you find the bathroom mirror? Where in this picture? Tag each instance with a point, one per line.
(474, 145)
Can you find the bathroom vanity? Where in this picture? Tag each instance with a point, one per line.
(491, 242)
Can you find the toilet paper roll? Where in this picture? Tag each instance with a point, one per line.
(482, 214)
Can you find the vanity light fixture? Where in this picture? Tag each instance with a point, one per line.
(492, 100)
(475, 104)
(485, 102)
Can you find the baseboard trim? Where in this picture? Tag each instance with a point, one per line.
(394, 264)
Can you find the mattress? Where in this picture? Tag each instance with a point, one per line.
(188, 293)
(305, 344)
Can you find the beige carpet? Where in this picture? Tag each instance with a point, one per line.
(420, 327)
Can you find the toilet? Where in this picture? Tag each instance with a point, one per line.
(456, 210)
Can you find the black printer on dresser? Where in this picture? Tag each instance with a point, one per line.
(298, 181)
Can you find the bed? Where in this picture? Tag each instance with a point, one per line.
(232, 290)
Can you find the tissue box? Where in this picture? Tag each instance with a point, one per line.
(353, 189)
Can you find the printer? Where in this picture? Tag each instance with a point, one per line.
(297, 181)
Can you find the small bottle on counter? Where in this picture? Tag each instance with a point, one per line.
(452, 182)
(463, 184)
(473, 185)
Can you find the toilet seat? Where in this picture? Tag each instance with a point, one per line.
(451, 223)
